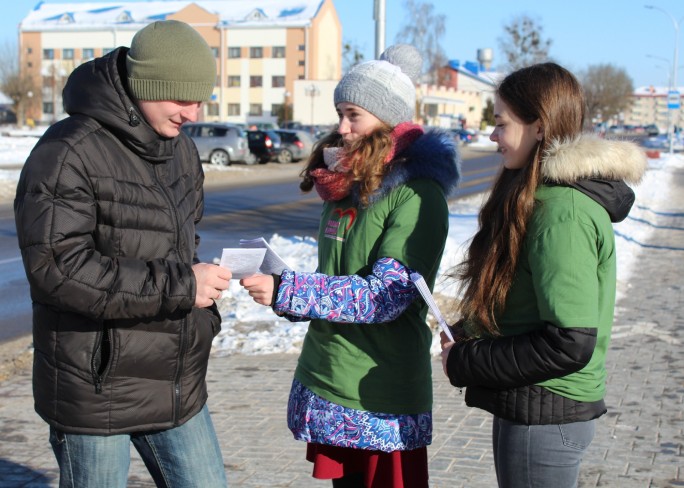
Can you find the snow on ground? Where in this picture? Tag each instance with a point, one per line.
(252, 329)
(249, 328)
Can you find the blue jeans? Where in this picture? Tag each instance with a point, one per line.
(531, 456)
(182, 457)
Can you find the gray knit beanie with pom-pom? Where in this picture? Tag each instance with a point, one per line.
(384, 87)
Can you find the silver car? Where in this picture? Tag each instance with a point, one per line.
(295, 145)
(219, 143)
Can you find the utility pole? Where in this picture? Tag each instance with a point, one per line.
(673, 95)
(379, 17)
(312, 91)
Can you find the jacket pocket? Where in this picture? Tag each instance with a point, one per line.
(214, 319)
(101, 358)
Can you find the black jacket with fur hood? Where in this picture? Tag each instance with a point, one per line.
(106, 211)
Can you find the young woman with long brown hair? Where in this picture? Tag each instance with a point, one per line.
(362, 393)
(539, 279)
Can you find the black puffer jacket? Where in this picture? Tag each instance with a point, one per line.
(106, 212)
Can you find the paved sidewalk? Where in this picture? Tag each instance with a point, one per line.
(639, 443)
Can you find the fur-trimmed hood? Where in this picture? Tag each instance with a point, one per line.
(588, 156)
(598, 168)
(434, 155)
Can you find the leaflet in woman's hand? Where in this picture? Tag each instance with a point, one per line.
(424, 291)
(272, 263)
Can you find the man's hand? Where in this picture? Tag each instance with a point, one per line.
(211, 281)
(260, 288)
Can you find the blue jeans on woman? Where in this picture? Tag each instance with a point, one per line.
(182, 457)
(527, 456)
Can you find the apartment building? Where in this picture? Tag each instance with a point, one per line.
(650, 106)
(262, 48)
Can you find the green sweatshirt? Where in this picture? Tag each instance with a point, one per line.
(378, 367)
(566, 276)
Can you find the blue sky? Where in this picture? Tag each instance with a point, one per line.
(584, 32)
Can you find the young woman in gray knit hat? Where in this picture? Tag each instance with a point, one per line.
(362, 393)
(123, 312)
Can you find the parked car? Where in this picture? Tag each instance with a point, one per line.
(464, 136)
(262, 125)
(219, 143)
(296, 145)
(7, 116)
(657, 142)
(291, 124)
(652, 130)
(264, 144)
(317, 131)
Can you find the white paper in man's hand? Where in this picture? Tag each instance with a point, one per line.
(242, 262)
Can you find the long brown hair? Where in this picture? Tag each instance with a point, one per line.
(367, 157)
(550, 94)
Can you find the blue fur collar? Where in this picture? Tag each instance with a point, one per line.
(434, 155)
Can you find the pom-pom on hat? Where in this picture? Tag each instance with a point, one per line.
(169, 60)
(384, 87)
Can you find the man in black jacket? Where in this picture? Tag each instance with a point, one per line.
(123, 311)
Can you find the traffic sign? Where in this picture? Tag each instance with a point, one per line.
(673, 102)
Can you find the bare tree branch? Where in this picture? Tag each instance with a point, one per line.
(424, 29)
(15, 85)
(351, 56)
(523, 43)
(607, 90)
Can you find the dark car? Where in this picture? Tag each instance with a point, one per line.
(263, 144)
(652, 130)
(296, 145)
(219, 143)
(7, 116)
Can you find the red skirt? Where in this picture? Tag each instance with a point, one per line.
(397, 469)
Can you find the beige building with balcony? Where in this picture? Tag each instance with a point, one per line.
(650, 106)
(262, 48)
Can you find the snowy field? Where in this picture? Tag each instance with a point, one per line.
(249, 328)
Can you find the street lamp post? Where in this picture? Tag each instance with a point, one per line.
(312, 91)
(674, 89)
(379, 16)
(666, 66)
(286, 95)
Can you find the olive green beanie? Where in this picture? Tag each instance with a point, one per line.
(169, 60)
